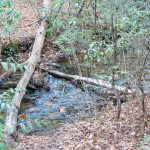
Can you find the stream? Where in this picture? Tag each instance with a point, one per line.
(65, 102)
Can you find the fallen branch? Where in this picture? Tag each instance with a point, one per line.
(11, 116)
(92, 81)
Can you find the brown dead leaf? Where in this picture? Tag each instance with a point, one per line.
(62, 109)
(22, 116)
(49, 103)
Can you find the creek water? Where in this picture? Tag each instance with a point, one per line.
(64, 102)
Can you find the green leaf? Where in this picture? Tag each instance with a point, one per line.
(57, 23)
(37, 122)
(29, 124)
(3, 106)
(44, 123)
(23, 127)
(13, 66)
(20, 67)
(5, 66)
(7, 28)
(49, 32)
(12, 90)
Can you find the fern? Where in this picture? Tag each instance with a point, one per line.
(30, 125)
(24, 128)
(38, 124)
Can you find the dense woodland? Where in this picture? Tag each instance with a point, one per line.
(74, 74)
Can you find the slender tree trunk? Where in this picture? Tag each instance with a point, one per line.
(142, 90)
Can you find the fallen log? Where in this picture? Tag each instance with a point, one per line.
(11, 116)
(98, 82)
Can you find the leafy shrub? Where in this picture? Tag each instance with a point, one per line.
(9, 16)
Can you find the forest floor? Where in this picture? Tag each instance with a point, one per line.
(101, 132)
(28, 22)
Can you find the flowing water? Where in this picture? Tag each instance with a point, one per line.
(64, 102)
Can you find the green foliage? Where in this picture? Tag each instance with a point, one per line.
(66, 41)
(32, 124)
(98, 52)
(3, 146)
(14, 66)
(5, 104)
(6, 97)
(8, 19)
(55, 23)
(9, 16)
(131, 23)
(145, 143)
